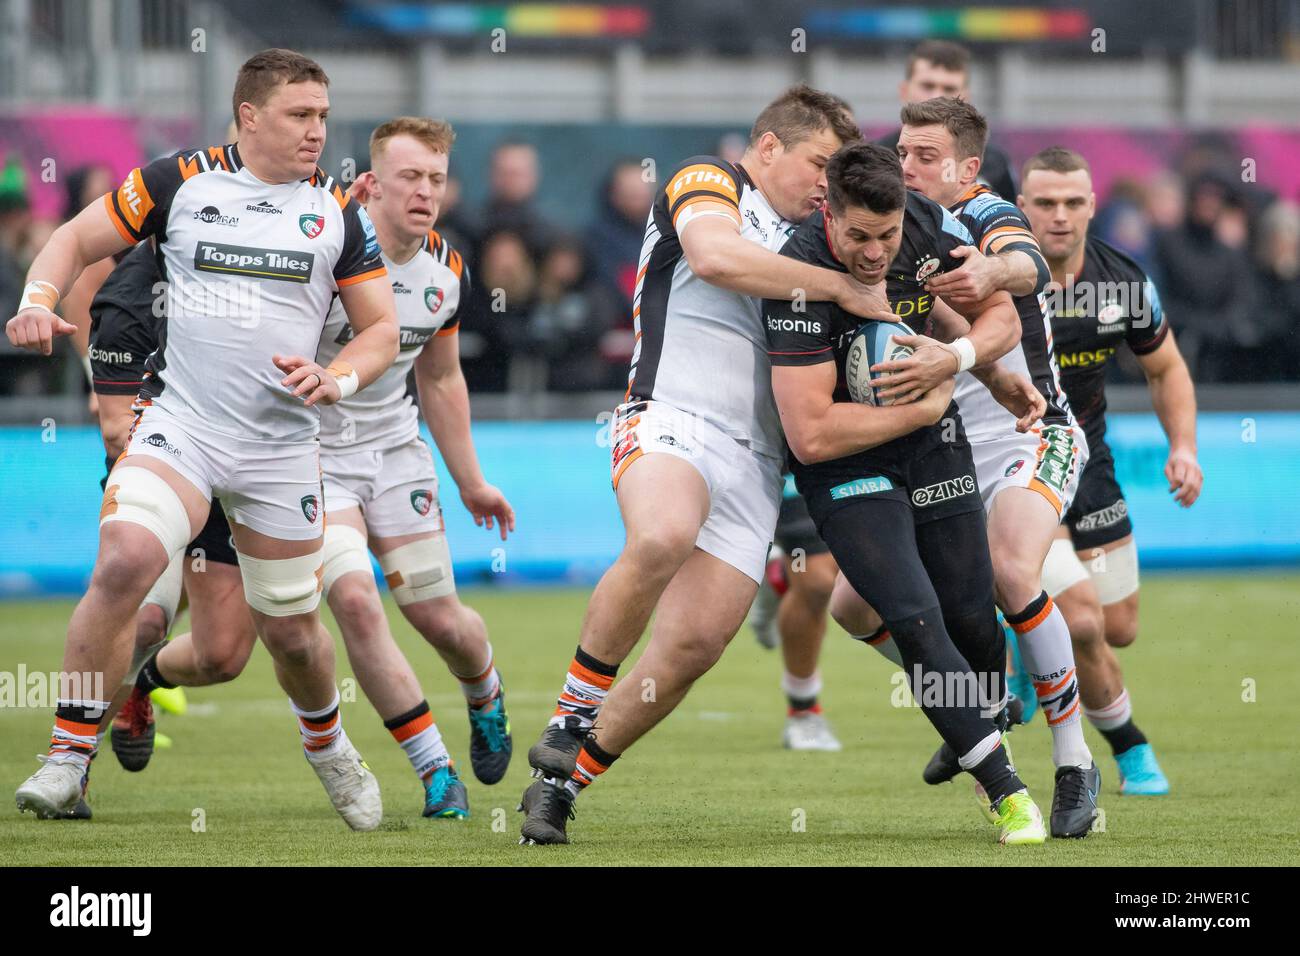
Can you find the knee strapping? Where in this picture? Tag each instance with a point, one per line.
(1062, 569)
(166, 591)
(143, 498)
(419, 571)
(281, 587)
(345, 551)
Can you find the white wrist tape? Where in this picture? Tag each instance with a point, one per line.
(964, 349)
(347, 378)
(90, 371)
(39, 295)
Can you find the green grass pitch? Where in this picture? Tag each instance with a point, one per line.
(711, 785)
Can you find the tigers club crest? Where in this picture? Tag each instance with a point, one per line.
(433, 297)
(310, 508)
(311, 224)
(422, 501)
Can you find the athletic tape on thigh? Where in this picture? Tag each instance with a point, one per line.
(1062, 568)
(1119, 578)
(345, 551)
(166, 591)
(142, 497)
(419, 571)
(279, 587)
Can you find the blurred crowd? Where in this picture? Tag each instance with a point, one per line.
(552, 309)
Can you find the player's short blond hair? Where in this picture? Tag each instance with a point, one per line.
(1055, 159)
(435, 134)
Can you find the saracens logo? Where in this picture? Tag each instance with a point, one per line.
(311, 224)
(422, 501)
(926, 269)
(310, 508)
(943, 490)
(1014, 467)
(433, 297)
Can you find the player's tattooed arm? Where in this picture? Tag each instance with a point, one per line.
(444, 399)
(717, 253)
(1174, 398)
(821, 429)
(1013, 392)
(1014, 271)
(88, 237)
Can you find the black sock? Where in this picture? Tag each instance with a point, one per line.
(150, 678)
(996, 775)
(802, 703)
(1124, 737)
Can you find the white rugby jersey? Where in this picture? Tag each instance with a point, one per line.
(251, 268)
(701, 348)
(430, 290)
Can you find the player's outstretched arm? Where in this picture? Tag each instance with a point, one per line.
(994, 330)
(821, 429)
(444, 399)
(86, 238)
(717, 253)
(1174, 397)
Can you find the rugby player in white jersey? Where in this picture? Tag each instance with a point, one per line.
(1026, 480)
(697, 446)
(227, 407)
(381, 489)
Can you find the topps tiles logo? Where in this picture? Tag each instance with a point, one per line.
(77, 909)
(288, 265)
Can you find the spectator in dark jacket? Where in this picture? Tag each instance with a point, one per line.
(514, 175)
(614, 239)
(570, 321)
(1277, 301)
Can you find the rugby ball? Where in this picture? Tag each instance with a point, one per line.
(874, 342)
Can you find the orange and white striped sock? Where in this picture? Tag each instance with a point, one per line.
(592, 762)
(1048, 656)
(418, 735)
(75, 736)
(483, 686)
(585, 688)
(321, 729)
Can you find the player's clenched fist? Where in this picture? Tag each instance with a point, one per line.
(36, 329)
(307, 380)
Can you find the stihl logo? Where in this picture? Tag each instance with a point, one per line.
(703, 176)
(131, 197)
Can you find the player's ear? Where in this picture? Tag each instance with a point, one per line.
(247, 118)
(1092, 205)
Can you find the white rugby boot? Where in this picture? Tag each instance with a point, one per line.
(352, 788)
(52, 790)
(809, 731)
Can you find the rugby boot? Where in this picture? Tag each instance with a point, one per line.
(549, 808)
(444, 795)
(133, 732)
(490, 744)
(1140, 774)
(556, 751)
(1074, 801)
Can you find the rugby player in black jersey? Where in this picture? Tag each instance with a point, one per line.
(1101, 299)
(892, 488)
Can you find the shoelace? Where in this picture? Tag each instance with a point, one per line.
(552, 799)
(491, 724)
(1070, 789)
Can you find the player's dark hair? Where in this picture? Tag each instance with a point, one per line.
(1055, 159)
(263, 72)
(801, 112)
(944, 53)
(866, 175)
(969, 129)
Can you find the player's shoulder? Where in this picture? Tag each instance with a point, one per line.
(808, 243)
(983, 204)
(705, 172)
(1113, 263)
(441, 250)
(931, 221)
(194, 161)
